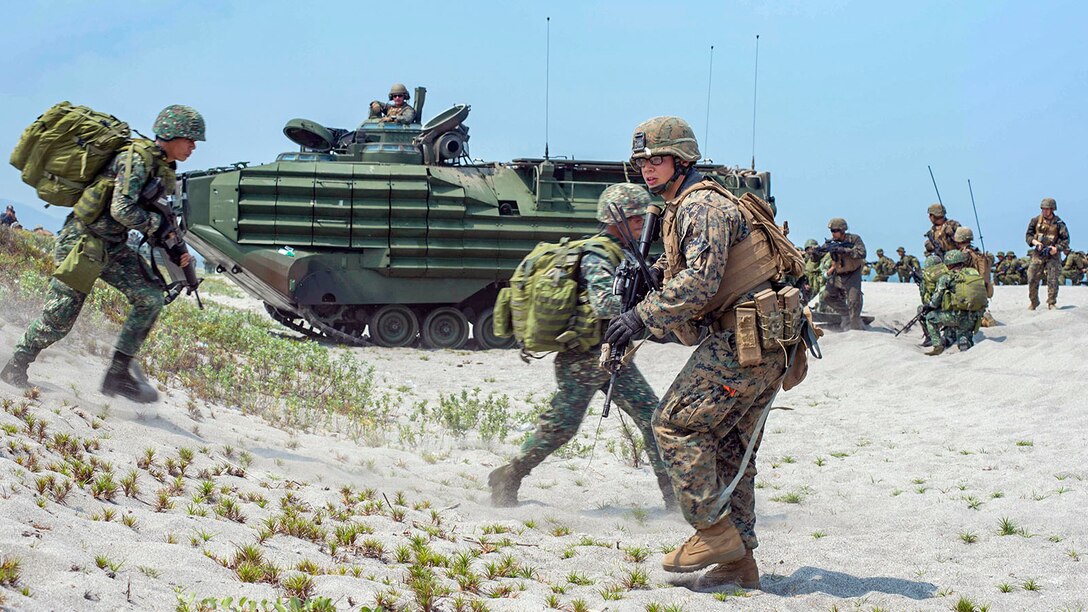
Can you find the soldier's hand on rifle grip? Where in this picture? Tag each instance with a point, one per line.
(658, 276)
(623, 328)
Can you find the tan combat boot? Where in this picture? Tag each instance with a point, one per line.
(719, 543)
(743, 573)
(505, 482)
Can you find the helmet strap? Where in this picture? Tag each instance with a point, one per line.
(679, 172)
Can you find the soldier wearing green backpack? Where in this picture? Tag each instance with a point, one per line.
(577, 368)
(954, 310)
(92, 245)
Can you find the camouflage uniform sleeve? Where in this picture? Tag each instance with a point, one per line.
(381, 109)
(597, 273)
(408, 115)
(1030, 235)
(705, 233)
(1063, 238)
(132, 173)
(858, 250)
(944, 283)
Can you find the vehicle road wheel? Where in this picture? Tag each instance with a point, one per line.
(394, 325)
(484, 334)
(444, 328)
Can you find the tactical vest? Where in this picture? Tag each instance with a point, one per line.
(765, 255)
(845, 264)
(546, 307)
(97, 196)
(930, 276)
(943, 235)
(968, 291)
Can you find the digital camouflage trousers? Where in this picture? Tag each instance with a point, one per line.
(703, 426)
(951, 326)
(1052, 267)
(63, 304)
(579, 376)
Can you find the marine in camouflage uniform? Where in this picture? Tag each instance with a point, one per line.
(947, 327)
(940, 237)
(907, 267)
(397, 112)
(980, 262)
(813, 275)
(1048, 238)
(884, 267)
(579, 373)
(843, 293)
(1076, 264)
(709, 414)
(1018, 271)
(177, 129)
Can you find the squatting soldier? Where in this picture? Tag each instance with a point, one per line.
(1020, 268)
(908, 267)
(578, 373)
(397, 112)
(996, 267)
(813, 276)
(177, 130)
(980, 262)
(932, 273)
(939, 238)
(1048, 238)
(954, 311)
(1076, 264)
(710, 412)
(884, 267)
(843, 294)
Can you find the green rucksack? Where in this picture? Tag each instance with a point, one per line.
(62, 152)
(968, 291)
(544, 307)
(930, 276)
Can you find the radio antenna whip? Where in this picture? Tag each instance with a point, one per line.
(977, 225)
(935, 185)
(755, 91)
(709, 80)
(547, 81)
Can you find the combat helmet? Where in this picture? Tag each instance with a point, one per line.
(880, 251)
(937, 209)
(837, 223)
(665, 136)
(1050, 203)
(632, 200)
(933, 260)
(399, 89)
(953, 257)
(1010, 253)
(179, 121)
(963, 234)
(900, 250)
(811, 243)
(1000, 254)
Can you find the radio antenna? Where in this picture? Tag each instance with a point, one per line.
(978, 226)
(935, 185)
(547, 81)
(709, 80)
(755, 92)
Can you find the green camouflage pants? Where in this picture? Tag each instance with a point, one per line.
(63, 304)
(1052, 267)
(705, 422)
(951, 326)
(580, 376)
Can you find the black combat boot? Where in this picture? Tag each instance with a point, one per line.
(505, 482)
(125, 378)
(14, 372)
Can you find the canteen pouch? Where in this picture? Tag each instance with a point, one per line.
(83, 265)
(93, 200)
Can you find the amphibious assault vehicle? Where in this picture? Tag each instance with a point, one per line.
(390, 232)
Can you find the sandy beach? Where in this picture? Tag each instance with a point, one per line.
(888, 480)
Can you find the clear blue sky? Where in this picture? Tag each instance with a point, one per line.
(855, 98)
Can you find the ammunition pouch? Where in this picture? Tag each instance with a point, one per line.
(771, 319)
(84, 264)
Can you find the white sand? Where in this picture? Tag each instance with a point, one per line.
(907, 443)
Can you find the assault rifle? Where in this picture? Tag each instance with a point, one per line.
(910, 324)
(171, 239)
(633, 280)
(833, 247)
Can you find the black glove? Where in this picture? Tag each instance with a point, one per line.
(658, 276)
(838, 250)
(623, 328)
(928, 308)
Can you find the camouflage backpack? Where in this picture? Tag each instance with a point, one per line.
(545, 307)
(930, 275)
(968, 291)
(62, 152)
